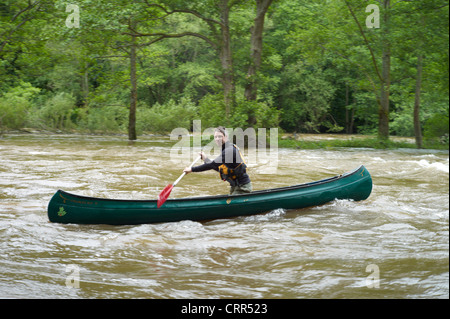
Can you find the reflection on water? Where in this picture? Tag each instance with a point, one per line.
(321, 252)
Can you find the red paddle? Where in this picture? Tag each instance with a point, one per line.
(162, 197)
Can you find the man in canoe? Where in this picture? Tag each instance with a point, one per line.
(230, 164)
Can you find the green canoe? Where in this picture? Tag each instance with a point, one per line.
(68, 208)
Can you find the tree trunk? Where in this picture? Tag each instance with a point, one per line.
(85, 84)
(256, 43)
(349, 114)
(352, 120)
(347, 120)
(226, 58)
(383, 120)
(383, 112)
(417, 127)
(133, 78)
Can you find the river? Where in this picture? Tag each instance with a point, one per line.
(395, 244)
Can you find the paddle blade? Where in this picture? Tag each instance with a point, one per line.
(162, 197)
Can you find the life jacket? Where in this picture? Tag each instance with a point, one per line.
(231, 175)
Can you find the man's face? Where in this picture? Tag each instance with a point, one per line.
(219, 138)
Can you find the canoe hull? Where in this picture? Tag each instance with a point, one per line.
(69, 208)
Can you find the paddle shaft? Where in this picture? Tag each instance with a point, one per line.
(184, 173)
(162, 197)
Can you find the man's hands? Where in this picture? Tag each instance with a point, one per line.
(188, 170)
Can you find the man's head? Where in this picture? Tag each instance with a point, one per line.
(220, 135)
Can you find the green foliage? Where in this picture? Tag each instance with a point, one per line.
(12, 113)
(366, 112)
(402, 124)
(107, 119)
(15, 105)
(317, 71)
(57, 111)
(353, 142)
(437, 126)
(166, 117)
(212, 113)
(307, 96)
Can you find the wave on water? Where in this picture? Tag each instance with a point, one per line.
(270, 216)
(434, 165)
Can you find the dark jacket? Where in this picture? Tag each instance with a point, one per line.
(230, 157)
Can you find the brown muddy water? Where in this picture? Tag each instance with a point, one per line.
(393, 245)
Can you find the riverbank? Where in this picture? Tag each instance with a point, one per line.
(319, 141)
(294, 140)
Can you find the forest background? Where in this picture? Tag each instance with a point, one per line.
(377, 67)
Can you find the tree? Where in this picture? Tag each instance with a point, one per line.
(15, 15)
(219, 37)
(306, 37)
(20, 23)
(116, 35)
(226, 60)
(216, 17)
(256, 44)
(383, 76)
(428, 21)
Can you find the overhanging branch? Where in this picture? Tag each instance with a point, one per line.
(159, 36)
(374, 61)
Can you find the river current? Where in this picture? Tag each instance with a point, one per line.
(395, 244)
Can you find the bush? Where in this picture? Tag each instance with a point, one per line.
(164, 118)
(107, 119)
(436, 127)
(13, 112)
(57, 111)
(212, 113)
(260, 113)
(402, 124)
(15, 105)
